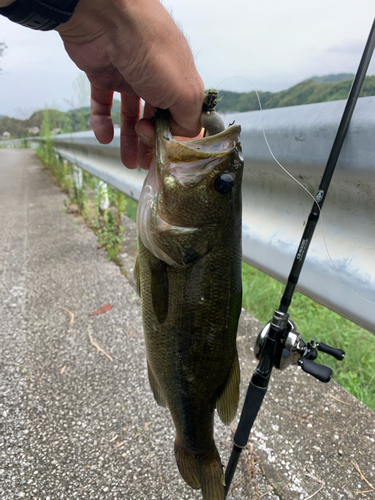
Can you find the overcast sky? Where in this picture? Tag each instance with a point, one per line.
(273, 43)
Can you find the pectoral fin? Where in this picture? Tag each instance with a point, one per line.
(227, 402)
(185, 245)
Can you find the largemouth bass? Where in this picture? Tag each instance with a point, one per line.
(188, 275)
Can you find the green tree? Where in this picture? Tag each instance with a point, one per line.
(81, 88)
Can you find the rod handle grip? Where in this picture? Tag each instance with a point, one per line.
(332, 351)
(320, 372)
(251, 406)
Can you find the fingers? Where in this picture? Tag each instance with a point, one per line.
(185, 114)
(101, 105)
(130, 114)
(146, 133)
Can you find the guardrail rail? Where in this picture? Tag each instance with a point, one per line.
(339, 271)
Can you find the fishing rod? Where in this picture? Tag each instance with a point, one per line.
(279, 344)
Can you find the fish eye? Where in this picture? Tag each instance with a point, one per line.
(224, 183)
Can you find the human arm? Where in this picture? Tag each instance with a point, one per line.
(134, 47)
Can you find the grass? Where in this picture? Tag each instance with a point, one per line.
(131, 209)
(356, 373)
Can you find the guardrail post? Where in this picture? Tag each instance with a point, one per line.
(101, 191)
(77, 178)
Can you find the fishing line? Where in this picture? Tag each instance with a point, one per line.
(300, 184)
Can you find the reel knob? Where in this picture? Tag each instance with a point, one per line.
(338, 354)
(320, 372)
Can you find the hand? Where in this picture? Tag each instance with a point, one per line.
(135, 48)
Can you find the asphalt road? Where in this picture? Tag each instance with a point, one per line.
(74, 423)
(80, 422)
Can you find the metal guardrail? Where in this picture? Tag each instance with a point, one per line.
(275, 207)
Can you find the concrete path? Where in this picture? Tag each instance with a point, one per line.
(77, 422)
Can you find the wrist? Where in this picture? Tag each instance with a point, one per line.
(6, 3)
(115, 18)
(42, 15)
(93, 18)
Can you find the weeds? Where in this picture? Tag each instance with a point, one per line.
(61, 170)
(86, 198)
(109, 233)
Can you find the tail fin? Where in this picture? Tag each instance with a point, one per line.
(202, 471)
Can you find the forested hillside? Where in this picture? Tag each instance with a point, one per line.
(306, 92)
(54, 120)
(317, 89)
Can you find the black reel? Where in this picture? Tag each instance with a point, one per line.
(293, 350)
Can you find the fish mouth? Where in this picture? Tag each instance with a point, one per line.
(204, 147)
(185, 163)
(190, 161)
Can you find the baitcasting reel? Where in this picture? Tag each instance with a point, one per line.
(293, 350)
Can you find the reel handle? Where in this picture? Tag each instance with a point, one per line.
(320, 372)
(332, 351)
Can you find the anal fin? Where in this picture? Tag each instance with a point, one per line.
(158, 393)
(227, 402)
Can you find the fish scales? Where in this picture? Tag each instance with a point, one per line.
(189, 279)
